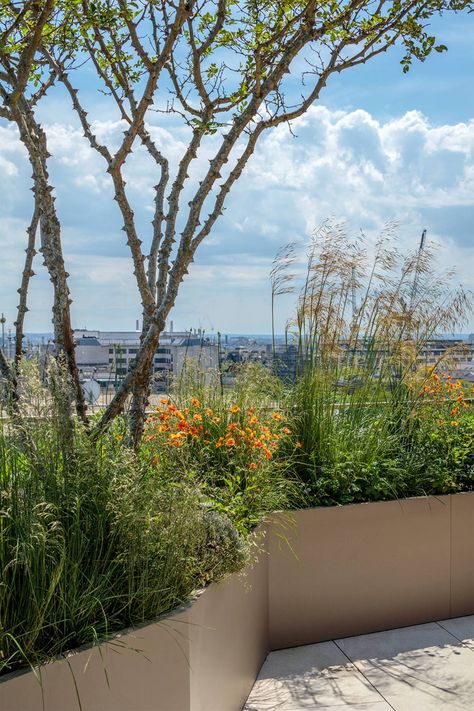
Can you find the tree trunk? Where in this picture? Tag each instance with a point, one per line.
(34, 139)
(140, 400)
(138, 372)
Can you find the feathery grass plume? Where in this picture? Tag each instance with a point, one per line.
(281, 280)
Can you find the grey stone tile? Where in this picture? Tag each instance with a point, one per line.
(315, 676)
(462, 628)
(416, 668)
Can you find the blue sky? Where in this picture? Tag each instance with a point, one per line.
(380, 145)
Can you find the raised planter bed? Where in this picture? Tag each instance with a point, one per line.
(333, 572)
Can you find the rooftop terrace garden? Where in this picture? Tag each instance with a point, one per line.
(97, 536)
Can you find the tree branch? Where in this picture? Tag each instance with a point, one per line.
(25, 282)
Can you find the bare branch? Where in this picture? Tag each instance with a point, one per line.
(25, 282)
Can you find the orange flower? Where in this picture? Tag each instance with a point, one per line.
(253, 420)
(435, 376)
(252, 465)
(119, 438)
(234, 408)
(257, 444)
(155, 461)
(454, 423)
(209, 412)
(441, 422)
(276, 416)
(230, 442)
(165, 401)
(195, 402)
(285, 430)
(267, 453)
(298, 445)
(197, 417)
(219, 442)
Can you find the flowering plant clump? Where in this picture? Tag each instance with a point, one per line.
(446, 430)
(236, 435)
(447, 396)
(230, 448)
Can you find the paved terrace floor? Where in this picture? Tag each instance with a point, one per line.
(419, 668)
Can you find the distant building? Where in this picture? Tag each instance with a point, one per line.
(106, 356)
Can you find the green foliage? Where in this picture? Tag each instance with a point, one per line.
(227, 443)
(360, 386)
(91, 540)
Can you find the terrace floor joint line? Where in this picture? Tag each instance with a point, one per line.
(461, 641)
(365, 676)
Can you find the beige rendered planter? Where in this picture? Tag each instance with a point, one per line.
(333, 572)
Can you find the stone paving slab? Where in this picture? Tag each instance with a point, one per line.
(421, 668)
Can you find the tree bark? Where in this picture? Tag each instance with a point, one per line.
(34, 139)
(140, 400)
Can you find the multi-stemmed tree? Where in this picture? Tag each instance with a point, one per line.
(227, 70)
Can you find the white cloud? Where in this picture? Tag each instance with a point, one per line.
(346, 164)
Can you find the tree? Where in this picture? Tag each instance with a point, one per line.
(23, 27)
(225, 69)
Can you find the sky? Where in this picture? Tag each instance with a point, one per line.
(379, 146)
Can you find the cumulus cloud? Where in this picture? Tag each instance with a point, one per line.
(346, 164)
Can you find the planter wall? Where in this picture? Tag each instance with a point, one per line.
(332, 572)
(203, 658)
(369, 567)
